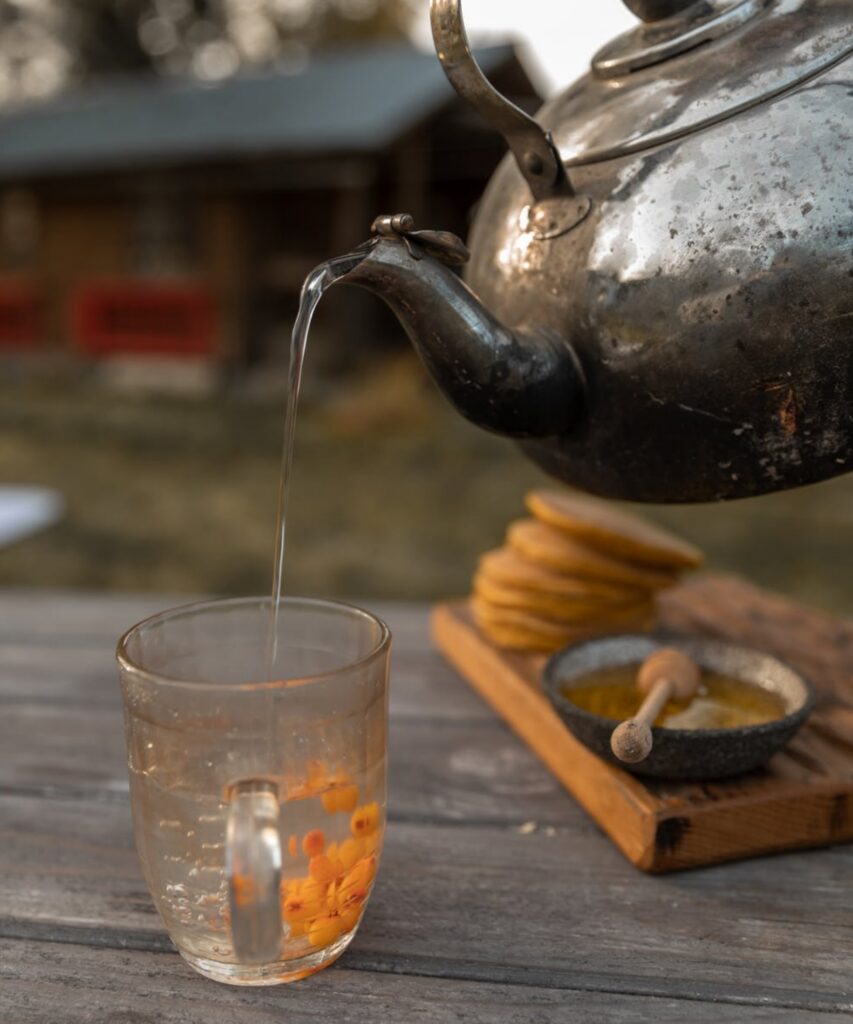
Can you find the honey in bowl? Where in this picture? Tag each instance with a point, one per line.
(721, 702)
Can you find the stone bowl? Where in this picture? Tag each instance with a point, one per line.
(688, 755)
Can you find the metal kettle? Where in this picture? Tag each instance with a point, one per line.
(659, 298)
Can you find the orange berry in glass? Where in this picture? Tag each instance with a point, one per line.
(350, 851)
(322, 869)
(349, 917)
(314, 843)
(292, 886)
(365, 820)
(314, 893)
(343, 796)
(297, 909)
(324, 930)
(347, 798)
(351, 897)
(359, 878)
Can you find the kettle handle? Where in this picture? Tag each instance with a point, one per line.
(532, 147)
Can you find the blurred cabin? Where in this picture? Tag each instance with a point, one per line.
(162, 218)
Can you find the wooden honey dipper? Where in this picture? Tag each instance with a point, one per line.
(665, 674)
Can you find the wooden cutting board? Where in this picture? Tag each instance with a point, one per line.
(804, 797)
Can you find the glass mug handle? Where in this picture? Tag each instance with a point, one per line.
(253, 867)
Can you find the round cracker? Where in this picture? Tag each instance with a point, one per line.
(521, 640)
(531, 633)
(505, 567)
(520, 637)
(563, 609)
(547, 625)
(557, 550)
(612, 530)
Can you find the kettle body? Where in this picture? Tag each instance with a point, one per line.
(708, 296)
(659, 298)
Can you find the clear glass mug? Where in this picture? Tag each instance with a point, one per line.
(258, 795)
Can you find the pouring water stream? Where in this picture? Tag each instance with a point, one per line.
(315, 286)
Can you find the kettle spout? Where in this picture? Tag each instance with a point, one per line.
(523, 385)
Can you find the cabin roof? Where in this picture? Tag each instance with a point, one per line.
(358, 101)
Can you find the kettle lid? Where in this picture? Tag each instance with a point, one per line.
(702, 62)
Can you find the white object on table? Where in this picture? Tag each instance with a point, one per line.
(26, 510)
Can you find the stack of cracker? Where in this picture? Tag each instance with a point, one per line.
(578, 568)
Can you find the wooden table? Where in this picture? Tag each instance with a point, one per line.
(498, 899)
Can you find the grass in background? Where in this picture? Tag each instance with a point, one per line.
(394, 496)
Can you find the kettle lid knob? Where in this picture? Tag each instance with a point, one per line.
(655, 10)
(671, 27)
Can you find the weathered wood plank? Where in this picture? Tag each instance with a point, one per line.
(488, 904)
(53, 614)
(62, 676)
(87, 617)
(63, 671)
(466, 771)
(46, 982)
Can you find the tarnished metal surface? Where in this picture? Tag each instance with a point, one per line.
(551, 218)
(650, 44)
(682, 329)
(709, 297)
(507, 381)
(441, 245)
(785, 45)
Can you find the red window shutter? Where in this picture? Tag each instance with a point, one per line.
(123, 316)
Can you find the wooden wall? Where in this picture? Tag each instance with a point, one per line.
(84, 240)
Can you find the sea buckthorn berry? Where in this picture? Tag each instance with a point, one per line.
(296, 909)
(342, 796)
(349, 917)
(329, 874)
(351, 896)
(372, 842)
(322, 870)
(359, 878)
(365, 820)
(368, 868)
(347, 798)
(350, 851)
(314, 842)
(332, 895)
(314, 893)
(293, 847)
(297, 929)
(324, 930)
